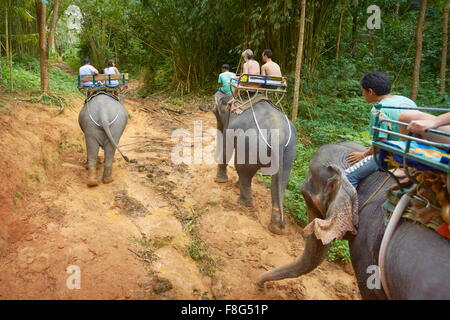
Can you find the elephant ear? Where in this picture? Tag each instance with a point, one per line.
(341, 203)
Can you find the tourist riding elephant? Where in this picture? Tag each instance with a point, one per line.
(262, 138)
(103, 120)
(417, 259)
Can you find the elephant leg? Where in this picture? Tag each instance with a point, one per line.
(246, 173)
(281, 180)
(222, 175)
(92, 148)
(275, 218)
(107, 169)
(223, 157)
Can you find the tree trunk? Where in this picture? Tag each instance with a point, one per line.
(298, 65)
(355, 29)
(8, 50)
(419, 39)
(43, 52)
(444, 49)
(341, 20)
(51, 33)
(11, 83)
(1, 66)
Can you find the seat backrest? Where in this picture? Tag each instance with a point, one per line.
(279, 82)
(123, 77)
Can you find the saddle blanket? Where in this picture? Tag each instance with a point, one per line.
(429, 153)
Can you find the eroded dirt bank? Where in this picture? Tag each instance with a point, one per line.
(159, 231)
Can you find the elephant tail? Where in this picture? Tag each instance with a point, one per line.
(105, 125)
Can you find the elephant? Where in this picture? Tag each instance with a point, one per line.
(263, 118)
(417, 259)
(102, 120)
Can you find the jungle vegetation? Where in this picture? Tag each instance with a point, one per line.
(176, 47)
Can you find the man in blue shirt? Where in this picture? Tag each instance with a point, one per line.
(376, 88)
(225, 79)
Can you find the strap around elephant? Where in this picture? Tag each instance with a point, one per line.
(259, 129)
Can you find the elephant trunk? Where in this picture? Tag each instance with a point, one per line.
(313, 255)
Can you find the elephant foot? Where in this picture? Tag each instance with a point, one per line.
(221, 179)
(107, 180)
(274, 227)
(92, 183)
(245, 202)
(107, 175)
(92, 176)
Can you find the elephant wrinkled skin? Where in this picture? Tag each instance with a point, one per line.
(417, 260)
(102, 120)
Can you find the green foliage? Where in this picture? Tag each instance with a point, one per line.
(26, 77)
(72, 58)
(339, 251)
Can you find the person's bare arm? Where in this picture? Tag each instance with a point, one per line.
(116, 70)
(420, 126)
(245, 69)
(263, 70)
(355, 157)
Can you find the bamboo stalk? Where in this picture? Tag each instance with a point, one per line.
(443, 70)
(298, 66)
(51, 34)
(338, 41)
(8, 49)
(419, 44)
(1, 66)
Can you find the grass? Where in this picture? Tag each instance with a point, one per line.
(147, 247)
(26, 77)
(5, 109)
(197, 248)
(17, 197)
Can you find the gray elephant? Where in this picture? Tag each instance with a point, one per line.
(103, 120)
(417, 260)
(256, 135)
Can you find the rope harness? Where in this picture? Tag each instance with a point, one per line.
(89, 109)
(259, 129)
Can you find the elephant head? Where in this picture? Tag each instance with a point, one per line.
(336, 207)
(332, 206)
(220, 109)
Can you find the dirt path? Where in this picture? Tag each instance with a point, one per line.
(159, 231)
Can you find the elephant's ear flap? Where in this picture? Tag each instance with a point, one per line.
(341, 203)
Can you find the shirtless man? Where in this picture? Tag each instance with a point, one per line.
(251, 66)
(270, 68)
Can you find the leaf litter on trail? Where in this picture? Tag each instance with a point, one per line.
(129, 206)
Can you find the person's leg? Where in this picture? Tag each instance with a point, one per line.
(361, 170)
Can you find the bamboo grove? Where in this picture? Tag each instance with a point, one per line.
(179, 45)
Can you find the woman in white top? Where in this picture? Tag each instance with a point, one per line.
(111, 70)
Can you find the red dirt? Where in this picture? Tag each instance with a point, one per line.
(49, 218)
